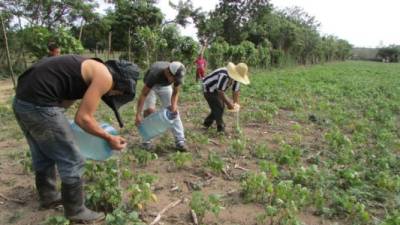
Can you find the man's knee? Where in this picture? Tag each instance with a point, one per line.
(71, 173)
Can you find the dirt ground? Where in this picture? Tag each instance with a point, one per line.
(19, 205)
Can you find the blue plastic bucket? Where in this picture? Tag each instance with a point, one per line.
(156, 124)
(90, 146)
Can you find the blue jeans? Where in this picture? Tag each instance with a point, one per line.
(165, 93)
(50, 140)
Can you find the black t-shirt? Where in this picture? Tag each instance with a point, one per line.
(52, 80)
(155, 75)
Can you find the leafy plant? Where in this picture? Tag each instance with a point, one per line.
(256, 187)
(392, 219)
(270, 168)
(200, 204)
(56, 220)
(261, 151)
(143, 157)
(120, 217)
(238, 146)
(289, 155)
(140, 192)
(180, 158)
(103, 192)
(26, 162)
(215, 162)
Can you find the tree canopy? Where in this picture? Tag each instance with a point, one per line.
(252, 31)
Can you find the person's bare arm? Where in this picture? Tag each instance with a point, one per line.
(139, 108)
(226, 100)
(235, 96)
(100, 84)
(174, 98)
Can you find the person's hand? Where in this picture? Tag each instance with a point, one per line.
(117, 142)
(234, 107)
(138, 120)
(230, 106)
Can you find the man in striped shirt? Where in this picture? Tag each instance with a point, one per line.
(214, 86)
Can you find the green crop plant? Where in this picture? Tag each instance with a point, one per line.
(200, 204)
(238, 146)
(392, 219)
(256, 187)
(57, 220)
(296, 128)
(267, 112)
(270, 169)
(198, 138)
(288, 155)
(121, 217)
(140, 192)
(337, 140)
(307, 176)
(180, 159)
(261, 151)
(349, 205)
(26, 162)
(143, 157)
(103, 191)
(215, 162)
(285, 200)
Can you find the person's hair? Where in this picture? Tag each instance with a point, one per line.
(52, 45)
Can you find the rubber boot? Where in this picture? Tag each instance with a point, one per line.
(46, 187)
(221, 128)
(74, 205)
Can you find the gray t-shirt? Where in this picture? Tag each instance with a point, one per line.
(155, 75)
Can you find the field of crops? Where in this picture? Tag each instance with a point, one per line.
(311, 145)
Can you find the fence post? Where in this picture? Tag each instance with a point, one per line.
(8, 52)
(109, 45)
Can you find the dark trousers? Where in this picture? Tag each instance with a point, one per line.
(51, 140)
(217, 111)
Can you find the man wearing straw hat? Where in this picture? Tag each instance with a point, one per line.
(214, 86)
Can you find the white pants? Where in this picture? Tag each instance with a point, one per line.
(165, 93)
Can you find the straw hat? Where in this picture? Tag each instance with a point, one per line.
(238, 72)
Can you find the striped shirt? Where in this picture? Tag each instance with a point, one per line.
(219, 80)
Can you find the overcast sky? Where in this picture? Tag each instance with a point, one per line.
(364, 23)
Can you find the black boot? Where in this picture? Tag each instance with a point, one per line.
(221, 128)
(74, 205)
(46, 187)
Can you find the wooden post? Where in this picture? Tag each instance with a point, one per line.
(129, 45)
(8, 52)
(109, 44)
(23, 46)
(81, 31)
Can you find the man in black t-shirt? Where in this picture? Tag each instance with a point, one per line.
(164, 80)
(42, 94)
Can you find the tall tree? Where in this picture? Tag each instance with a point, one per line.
(133, 14)
(48, 13)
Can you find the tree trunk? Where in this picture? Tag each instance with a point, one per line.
(129, 45)
(22, 46)
(8, 52)
(80, 31)
(109, 44)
